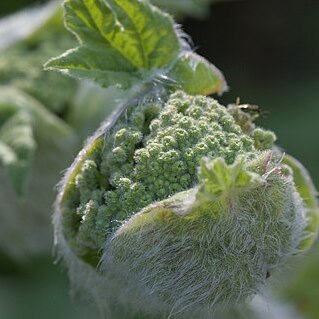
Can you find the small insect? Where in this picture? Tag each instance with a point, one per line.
(253, 110)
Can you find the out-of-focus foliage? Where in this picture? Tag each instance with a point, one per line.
(36, 146)
(44, 117)
(302, 288)
(21, 62)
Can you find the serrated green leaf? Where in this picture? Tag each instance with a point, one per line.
(130, 42)
(121, 41)
(197, 76)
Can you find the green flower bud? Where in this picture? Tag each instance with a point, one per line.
(216, 243)
(191, 212)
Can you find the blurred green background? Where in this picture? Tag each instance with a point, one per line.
(269, 54)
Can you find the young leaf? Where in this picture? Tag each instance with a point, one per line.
(218, 178)
(121, 41)
(129, 42)
(197, 76)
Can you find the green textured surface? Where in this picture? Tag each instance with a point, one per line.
(151, 153)
(215, 244)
